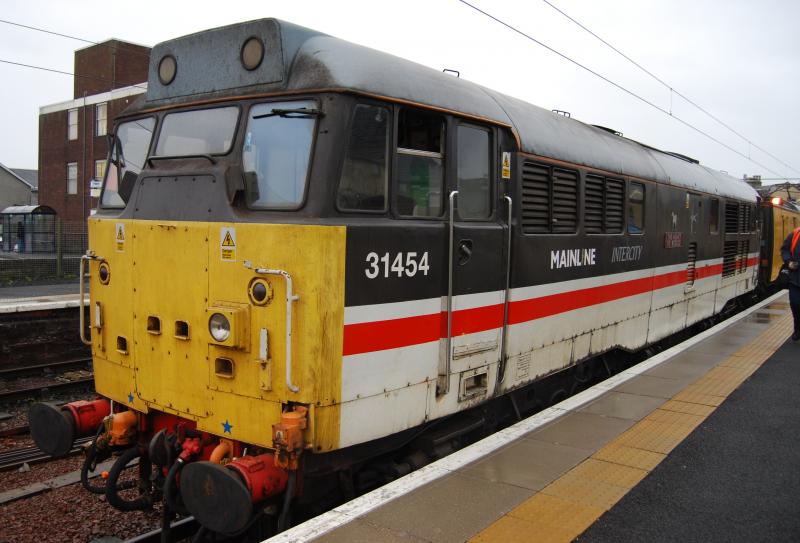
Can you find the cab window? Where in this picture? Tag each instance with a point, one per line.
(277, 148)
(474, 181)
(420, 163)
(365, 175)
(129, 150)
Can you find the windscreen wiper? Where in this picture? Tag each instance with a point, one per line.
(298, 113)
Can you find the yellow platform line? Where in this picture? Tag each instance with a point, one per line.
(569, 505)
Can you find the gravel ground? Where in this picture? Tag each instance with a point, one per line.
(71, 514)
(11, 479)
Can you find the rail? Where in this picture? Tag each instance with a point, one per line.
(30, 455)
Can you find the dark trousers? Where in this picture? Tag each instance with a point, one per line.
(794, 303)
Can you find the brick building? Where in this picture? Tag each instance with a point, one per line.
(73, 135)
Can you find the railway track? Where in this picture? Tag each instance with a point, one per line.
(40, 391)
(31, 455)
(180, 530)
(65, 365)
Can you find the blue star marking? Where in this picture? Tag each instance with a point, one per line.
(226, 427)
(130, 397)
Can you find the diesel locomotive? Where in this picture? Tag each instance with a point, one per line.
(308, 254)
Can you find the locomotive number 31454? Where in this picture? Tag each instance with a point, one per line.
(408, 264)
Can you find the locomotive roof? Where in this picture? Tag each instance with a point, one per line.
(298, 59)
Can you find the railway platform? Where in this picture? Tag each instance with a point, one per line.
(21, 299)
(697, 443)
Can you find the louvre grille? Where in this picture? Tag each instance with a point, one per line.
(565, 201)
(549, 199)
(691, 265)
(535, 198)
(729, 252)
(593, 205)
(604, 204)
(744, 251)
(615, 206)
(731, 217)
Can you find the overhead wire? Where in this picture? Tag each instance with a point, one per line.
(53, 70)
(618, 86)
(671, 88)
(76, 38)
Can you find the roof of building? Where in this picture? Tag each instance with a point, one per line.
(27, 177)
(28, 210)
(307, 60)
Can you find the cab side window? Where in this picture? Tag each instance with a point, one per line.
(474, 181)
(635, 208)
(365, 174)
(420, 163)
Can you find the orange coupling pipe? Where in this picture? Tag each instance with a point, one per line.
(122, 427)
(260, 475)
(287, 437)
(222, 451)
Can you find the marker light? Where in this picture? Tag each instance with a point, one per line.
(167, 68)
(252, 53)
(219, 326)
(776, 201)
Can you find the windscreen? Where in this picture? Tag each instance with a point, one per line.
(129, 152)
(198, 132)
(277, 146)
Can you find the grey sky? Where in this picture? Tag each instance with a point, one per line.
(739, 59)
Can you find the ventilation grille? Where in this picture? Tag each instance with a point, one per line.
(729, 251)
(565, 201)
(549, 199)
(535, 198)
(593, 205)
(731, 217)
(691, 264)
(744, 251)
(615, 205)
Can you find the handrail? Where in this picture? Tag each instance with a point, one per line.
(444, 385)
(81, 292)
(503, 337)
(290, 297)
(150, 159)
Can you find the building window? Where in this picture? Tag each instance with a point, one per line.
(99, 169)
(72, 178)
(100, 115)
(72, 124)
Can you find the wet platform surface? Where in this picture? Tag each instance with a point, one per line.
(735, 478)
(649, 454)
(39, 297)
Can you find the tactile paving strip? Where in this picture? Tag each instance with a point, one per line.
(569, 505)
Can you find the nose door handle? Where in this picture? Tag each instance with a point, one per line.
(464, 251)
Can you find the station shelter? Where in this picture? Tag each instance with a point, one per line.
(28, 229)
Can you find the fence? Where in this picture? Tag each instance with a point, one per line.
(50, 253)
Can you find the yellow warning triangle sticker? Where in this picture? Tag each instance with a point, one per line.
(228, 241)
(120, 234)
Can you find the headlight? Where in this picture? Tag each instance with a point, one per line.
(219, 326)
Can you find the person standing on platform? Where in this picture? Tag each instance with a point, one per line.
(790, 253)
